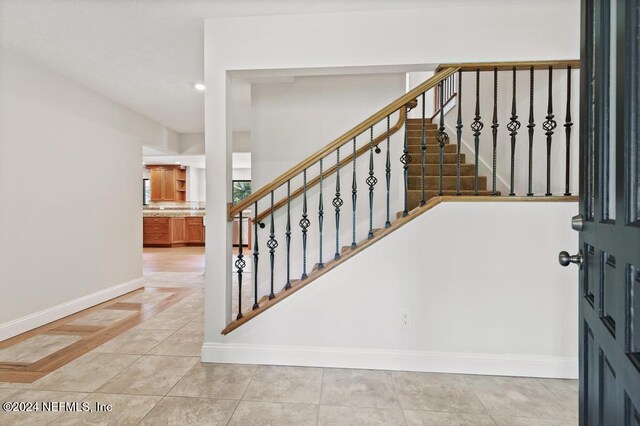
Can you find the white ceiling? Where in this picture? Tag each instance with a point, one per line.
(146, 54)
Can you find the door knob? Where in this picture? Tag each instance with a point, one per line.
(565, 258)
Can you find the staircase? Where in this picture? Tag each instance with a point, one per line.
(431, 173)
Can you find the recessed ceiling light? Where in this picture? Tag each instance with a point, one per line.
(177, 162)
(199, 86)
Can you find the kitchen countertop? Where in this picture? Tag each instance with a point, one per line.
(172, 213)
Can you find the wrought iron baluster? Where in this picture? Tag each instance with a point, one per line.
(240, 265)
(442, 137)
(530, 126)
(371, 181)
(423, 154)
(287, 237)
(513, 127)
(549, 125)
(320, 216)
(567, 131)
(337, 203)
(476, 127)
(459, 131)
(388, 173)
(494, 131)
(354, 195)
(256, 254)
(304, 224)
(271, 245)
(406, 160)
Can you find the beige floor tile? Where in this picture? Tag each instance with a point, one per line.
(196, 324)
(443, 418)
(150, 375)
(274, 413)
(518, 397)
(36, 347)
(39, 417)
(6, 393)
(85, 374)
(182, 343)
(125, 410)
(358, 416)
(437, 392)
(103, 317)
(135, 341)
(285, 384)
(167, 320)
(180, 411)
(524, 421)
(149, 295)
(227, 381)
(361, 388)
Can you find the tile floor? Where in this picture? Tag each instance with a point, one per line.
(152, 375)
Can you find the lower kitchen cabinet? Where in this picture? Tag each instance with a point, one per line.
(173, 231)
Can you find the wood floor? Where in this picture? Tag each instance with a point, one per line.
(36, 353)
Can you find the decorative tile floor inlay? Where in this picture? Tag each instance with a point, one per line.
(36, 353)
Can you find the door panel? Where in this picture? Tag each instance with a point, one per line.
(609, 191)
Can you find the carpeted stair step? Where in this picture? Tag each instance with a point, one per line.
(467, 183)
(433, 169)
(431, 149)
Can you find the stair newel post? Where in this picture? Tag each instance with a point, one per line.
(405, 160)
(513, 127)
(337, 203)
(256, 254)
(271, 245)
(371, 181)
(549, 125)
(320, 217)
(304, 224)
(442, 138)
(388, 173)
(354, 195)
(423, 153)
(494, 131)
(287, 237)
(530, 126)
(240, 264)
(567, 131)
(459, 131)
(476, 127)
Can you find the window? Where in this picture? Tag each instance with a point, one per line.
(241, 189)
(146, 192)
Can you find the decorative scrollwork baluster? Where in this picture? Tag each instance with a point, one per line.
(530, 126)
(406, 160)
(371, 181)
(567, 131)
(256, 255)
(494, 131)
(354, 195)
(287, 237)
(476, 127)
(423, 154)
(320, 217)
(304, 224)
(513, 127)
(271, 245)
(549, 125)
(442, 137)
(337, 203)
(459, 131)
(240, 265)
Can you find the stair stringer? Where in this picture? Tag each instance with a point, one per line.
(470, 310)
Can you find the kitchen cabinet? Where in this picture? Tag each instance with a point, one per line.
(168, 183)
(173, 231)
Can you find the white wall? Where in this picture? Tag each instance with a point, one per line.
(71, 228)
(368, 39)
(191, 143)
(196, 182)
(501, 305)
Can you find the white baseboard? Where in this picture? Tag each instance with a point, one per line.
(440, 362)
(29, 322)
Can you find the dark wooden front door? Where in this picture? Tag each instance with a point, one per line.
(609, 295)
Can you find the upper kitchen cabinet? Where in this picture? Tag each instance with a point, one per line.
(168, 183)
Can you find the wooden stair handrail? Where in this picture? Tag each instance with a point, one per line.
(345, 138)
(345, 161)
(435, 114)
(508, 66)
